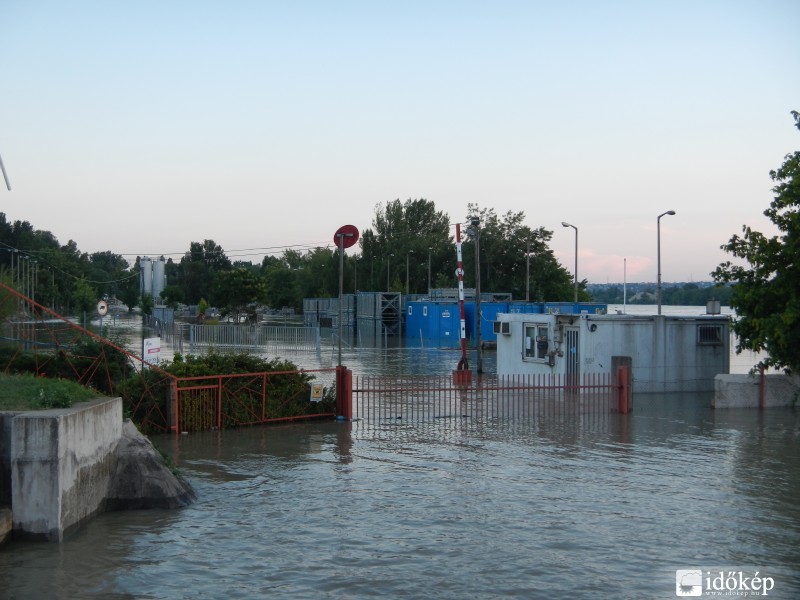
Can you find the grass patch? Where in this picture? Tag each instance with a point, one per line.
(28, 392)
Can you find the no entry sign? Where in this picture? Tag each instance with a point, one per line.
(346, 236)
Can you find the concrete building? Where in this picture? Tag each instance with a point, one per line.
(665, 353)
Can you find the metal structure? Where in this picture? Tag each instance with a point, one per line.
(658, 252)
(217, 402)
(422, 399)
(565, 224)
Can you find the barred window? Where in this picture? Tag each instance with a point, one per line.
(709, 335)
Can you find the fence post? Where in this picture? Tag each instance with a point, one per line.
(344, 393)
(173, 409)
(348, 391)
(623, 382)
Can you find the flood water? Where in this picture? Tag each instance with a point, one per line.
(597, 506)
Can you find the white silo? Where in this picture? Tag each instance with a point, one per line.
(159, 277)
(146, 276)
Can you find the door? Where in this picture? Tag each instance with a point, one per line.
(573, 370)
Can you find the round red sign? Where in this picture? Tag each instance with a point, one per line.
(346, 235)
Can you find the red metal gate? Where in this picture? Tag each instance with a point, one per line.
(216, 402)
(415, 399)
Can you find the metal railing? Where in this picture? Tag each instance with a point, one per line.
(216, 402)
(418, 399)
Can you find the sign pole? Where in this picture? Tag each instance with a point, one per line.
(341, 290)
(345, 236)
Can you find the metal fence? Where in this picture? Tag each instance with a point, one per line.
(419, 399)
(264, 338)
(216, 402)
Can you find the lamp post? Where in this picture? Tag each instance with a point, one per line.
(475, 223)
(355, 274)
(407, 255)
(528, 273)
(565, 224)
(388, 262)
(658, 252)
(429, 270)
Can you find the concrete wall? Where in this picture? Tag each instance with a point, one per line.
(61, 461)
(5, 457)
(743, 391)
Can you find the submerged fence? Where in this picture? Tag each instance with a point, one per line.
(427, 398)
(267, 338)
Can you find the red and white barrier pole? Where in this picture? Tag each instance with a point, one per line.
(462, 374)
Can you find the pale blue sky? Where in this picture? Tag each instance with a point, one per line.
(140, 127)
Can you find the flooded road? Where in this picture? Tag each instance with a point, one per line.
(558, 507)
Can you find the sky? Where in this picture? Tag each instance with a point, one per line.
(140, 127)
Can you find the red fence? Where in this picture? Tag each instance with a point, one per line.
(215, 402)
(418, 399)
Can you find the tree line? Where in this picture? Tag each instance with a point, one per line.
(411, 244)
(409, 248)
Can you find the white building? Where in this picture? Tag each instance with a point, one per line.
(665, 353)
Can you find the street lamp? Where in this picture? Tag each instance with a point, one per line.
(475, 228)
(565, 224)
(388, 262)
(658, 260)
(528, 273)
(407, 255)
(429, 270)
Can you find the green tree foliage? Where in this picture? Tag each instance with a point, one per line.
(84, 297)
(128, 290)
(405, 235)
(199, 268)
(172, 295)
(766, 294)
(107, 271)
(238, 291)
(282, 289)
(146, 304)
(287, 392)
(88, 361)
(504, 242)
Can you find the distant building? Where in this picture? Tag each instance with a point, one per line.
(152, 276)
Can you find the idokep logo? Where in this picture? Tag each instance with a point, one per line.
(722, 582)
(688, 582)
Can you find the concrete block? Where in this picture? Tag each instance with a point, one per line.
(61, 465)
(743, 391)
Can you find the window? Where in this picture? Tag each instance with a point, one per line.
(536, 341)
(709, 335)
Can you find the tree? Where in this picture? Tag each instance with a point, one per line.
(84, 297)
(237, 290)
(766, 293)
(172, 295)
(199, 268)
(146, 304)
(282, 287)
(405, 234)
(504, 268)
(107, 271)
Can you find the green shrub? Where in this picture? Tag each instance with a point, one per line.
(28, 392)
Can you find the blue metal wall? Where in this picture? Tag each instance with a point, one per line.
(437, 324)
(433, 323)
